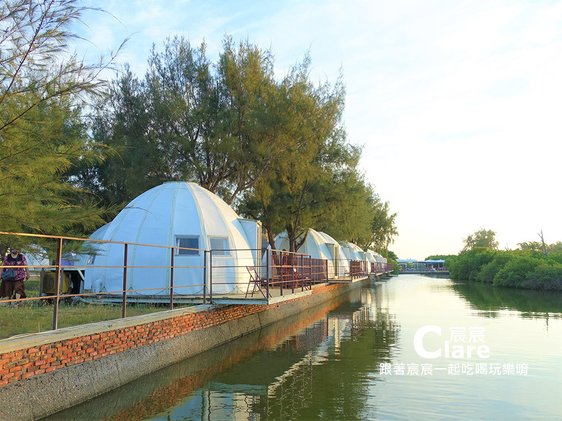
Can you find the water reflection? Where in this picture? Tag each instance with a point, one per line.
(309, 366)
(490, 301)
(324, 364)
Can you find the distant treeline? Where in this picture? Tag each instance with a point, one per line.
(533, 265)
(523, 268)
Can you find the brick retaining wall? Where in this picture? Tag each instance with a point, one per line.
(29, 362)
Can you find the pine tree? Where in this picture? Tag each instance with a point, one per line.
(42, 134)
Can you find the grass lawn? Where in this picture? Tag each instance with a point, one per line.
(31, 318)
(37, 316)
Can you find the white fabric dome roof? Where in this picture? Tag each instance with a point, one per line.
(342, 260)
(172, 214)
(352, 251)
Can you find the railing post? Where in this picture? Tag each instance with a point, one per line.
(301, 271)
(310, 270)
(282, 266)
(267, 274)
(125, 263)
(172, 278)
(57, 285)
(210, 276)
(292, 256)
(204, 276)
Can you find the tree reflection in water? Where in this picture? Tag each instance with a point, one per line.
(489, 300)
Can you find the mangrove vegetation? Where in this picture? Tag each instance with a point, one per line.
(533, 265)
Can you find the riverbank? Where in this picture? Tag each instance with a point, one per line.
(79, 363)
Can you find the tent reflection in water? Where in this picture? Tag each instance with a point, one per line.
(175, 214)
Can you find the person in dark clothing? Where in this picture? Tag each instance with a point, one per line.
(14, 288)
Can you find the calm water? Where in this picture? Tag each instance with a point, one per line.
(355, 359)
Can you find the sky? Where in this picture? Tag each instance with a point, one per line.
(457, 104)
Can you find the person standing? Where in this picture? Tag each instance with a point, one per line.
(15, 287)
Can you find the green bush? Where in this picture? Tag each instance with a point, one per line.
(490, 269)
(547, 276)
(467, 265)
(555, 257)
(516, 272)
(510, 268)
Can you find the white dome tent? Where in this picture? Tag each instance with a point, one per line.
(371, 258)
(340, 261)
(352, 251)
(381, 263)
(384, 263)
(174, 214)
(319, 246)
(355, 254)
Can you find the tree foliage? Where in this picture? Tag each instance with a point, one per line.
(310, 177)
(521, 268)
(439, 257)
(42, 135)
(481, 239)
(275, 148)
(33, 67)
(188, 119)
(383, 226)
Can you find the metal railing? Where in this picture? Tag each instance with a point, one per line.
(172, 275)
(293, 271)
(54, 289)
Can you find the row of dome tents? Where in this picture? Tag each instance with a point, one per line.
(319, 246)
(192, 220)
(339, 254)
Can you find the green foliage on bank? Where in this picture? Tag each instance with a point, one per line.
(508, 268)
(43, 135)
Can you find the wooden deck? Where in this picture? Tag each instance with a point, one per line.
(238, 298)
(347, 279)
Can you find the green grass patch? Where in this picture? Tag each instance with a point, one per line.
(37, 316)
(33, 317)
(32, 286)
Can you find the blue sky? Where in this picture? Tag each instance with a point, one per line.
(456, 103)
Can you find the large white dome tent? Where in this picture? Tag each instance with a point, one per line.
(382, 261)
(180, 214)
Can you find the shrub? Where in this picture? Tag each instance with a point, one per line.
(467, 265)
(547, 276)
(516, 272)
(512, 268)
(490, 269)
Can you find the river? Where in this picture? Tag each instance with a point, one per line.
(413, 347)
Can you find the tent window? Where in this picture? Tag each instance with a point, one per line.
(190, 242)
(219, 245)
